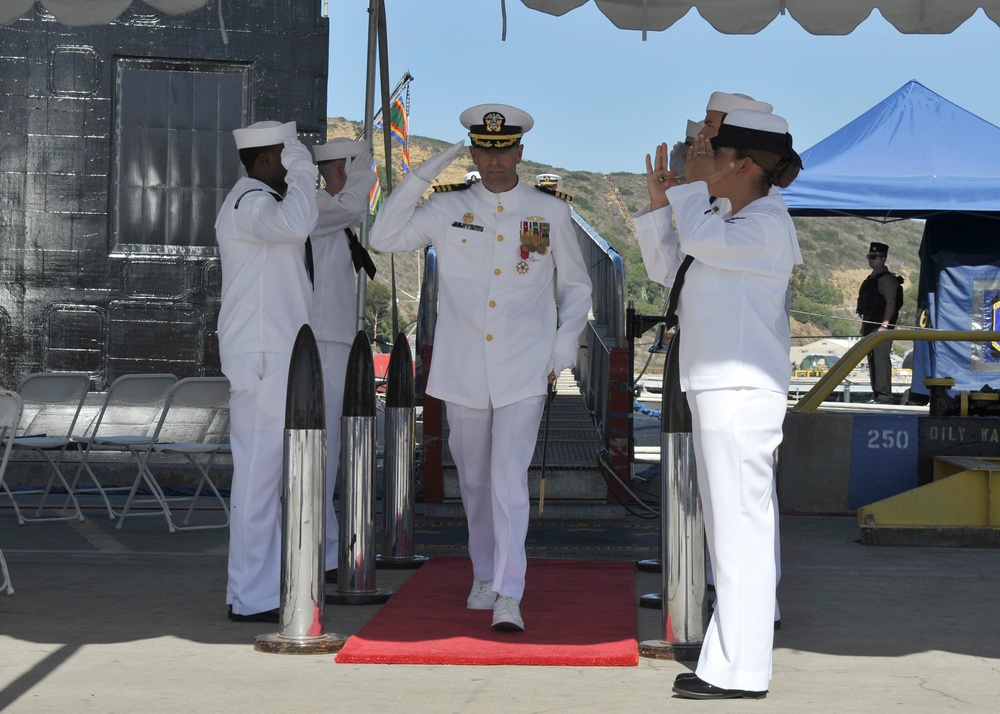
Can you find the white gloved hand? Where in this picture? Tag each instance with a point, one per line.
(294, 154)
(429, 170)
(678, 158)
(363, 162)
(360, 177)
(560, 362)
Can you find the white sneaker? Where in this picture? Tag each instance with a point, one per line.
(507, 615)
(482, 595)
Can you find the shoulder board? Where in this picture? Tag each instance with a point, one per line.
(443, 188)
(555, 192)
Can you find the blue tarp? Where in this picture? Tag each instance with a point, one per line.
(912, 153)
(959, 290)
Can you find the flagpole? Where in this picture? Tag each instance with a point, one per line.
(368, 132)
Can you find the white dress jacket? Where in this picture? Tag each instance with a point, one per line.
(498, 329)
(334, 308)
(732, 308)
(266, 293)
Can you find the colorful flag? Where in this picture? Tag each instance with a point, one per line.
(375, 197)
(399, 129)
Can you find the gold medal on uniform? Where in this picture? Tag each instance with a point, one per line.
(522, 267)
(535, 235)
(468, 218)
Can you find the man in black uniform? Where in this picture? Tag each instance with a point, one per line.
(879, 300)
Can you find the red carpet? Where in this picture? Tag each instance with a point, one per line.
(576, 613)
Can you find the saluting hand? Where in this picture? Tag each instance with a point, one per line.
(658, 178)
(702, 164)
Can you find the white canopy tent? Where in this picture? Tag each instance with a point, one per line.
(731, 17)
(819, 17)
(79, 13)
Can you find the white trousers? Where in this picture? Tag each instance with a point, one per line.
(492, 449)
(710, 578)
(258, 385)
(333, 356)
(735, 433)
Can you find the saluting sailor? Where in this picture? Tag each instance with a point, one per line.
(262, 231)
(514, 297)
(734, 371)
(346, 168)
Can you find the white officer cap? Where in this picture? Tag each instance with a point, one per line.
(339, 148)
(496, 126)
(264, 133)
(725, 103)
(694, 128)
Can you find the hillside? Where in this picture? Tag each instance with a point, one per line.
(824, 288)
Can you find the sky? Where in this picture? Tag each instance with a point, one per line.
(602, 98)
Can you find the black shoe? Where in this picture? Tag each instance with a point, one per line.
(331, 576)
(696, 688)
(685, 677)
(266, 616)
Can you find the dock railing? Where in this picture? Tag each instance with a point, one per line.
(604, 362)
(823, 388)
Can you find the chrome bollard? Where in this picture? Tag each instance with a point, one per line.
(397, 524)
(682, 528)
(356, 562)
(303, 491)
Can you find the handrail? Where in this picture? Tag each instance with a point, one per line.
(823, 388)
(427, 308)
(608, 289)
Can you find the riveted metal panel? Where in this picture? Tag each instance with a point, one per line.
(80, 288)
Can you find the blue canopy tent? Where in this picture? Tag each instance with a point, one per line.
(917, 155)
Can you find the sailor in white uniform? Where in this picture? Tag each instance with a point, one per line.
(734, 370)
(346, 168)
(262, 230)
(514, 298)
(658, 240)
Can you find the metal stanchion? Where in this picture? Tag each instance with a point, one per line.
(682, 528)
(397, 525)
(303, 490)
(356, 562)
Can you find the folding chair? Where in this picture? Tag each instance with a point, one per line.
(52, 404)
(128, 417)
(193, 424)
(10, 416)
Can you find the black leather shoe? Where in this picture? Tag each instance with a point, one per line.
(266, 616)
(696, 688)
(331, 576)
(685, 677)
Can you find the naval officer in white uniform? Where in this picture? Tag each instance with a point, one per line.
(514, 298)
(346, 168)
(734, 370)
(262, 231)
